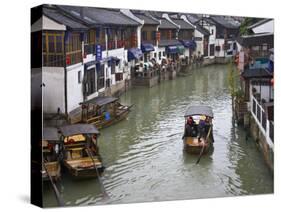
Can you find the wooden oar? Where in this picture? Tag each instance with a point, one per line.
(57, 194)
(98, 175)
(202, 150)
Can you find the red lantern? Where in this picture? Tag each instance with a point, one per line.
(67, 60)
(272, 81)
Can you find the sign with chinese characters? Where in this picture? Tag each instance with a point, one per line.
(98, 52)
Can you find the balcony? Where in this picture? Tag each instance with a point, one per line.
(265, 125)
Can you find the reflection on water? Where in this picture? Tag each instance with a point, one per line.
(144, 155)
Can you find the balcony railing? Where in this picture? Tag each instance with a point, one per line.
(266, 126)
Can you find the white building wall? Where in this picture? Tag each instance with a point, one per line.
(266, 27)
(45, 23)
(219, 42)
(199, 44)
(53, 92)
(74, 88)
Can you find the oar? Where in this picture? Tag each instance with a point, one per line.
(201, 153)
(58, 196)
(203, 147)
(98, 175)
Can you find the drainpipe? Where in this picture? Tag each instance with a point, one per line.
(65, 81)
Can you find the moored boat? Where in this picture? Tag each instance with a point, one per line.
(51, 148)
(81, 153)
(103, 111)
(198, 130)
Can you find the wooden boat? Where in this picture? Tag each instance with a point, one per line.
(51, 148)
(191, 141)
(81, 154)
(103, 111)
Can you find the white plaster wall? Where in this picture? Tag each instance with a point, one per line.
(74, 89)
(266, 27)
(53, 92)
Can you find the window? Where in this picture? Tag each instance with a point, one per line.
(119, 76)
(212, 32)
(212, 49)
(73, 49)
(159, 55)
(53, 49)
(155, 55)
(79, 77)
(100, 72)
(113, 67)
(111, 38)
(164, 54)
(90, 81)
(144, 35)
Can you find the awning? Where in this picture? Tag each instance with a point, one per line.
(172, 49)
(76, 129)
(134, 53)
(147, 47)
(180, 49)
(116, 59)
(191, 44)
(50, 134)
(100, 101)
(199, 110)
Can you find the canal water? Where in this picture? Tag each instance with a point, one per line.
(144, 155)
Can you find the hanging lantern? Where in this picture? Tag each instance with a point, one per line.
(272, 81)
(67, 60)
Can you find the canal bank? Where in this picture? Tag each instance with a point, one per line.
(144, 155)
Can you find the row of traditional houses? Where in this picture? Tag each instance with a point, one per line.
(255, 61)
(79, 53)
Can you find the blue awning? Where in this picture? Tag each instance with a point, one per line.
(147, 47)
(134, 53)
(111, 58)
(172, 49)
(190, 44)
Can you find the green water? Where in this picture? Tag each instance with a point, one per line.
(144, 155)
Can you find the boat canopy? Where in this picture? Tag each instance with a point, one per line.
(50, 134)
(199, 110)
(101, 100)
(75, 129)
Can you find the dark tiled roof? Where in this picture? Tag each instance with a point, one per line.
(193, 18)
(263, 21)
(169, 43)
(92, 15)
(183, 24)
(147, 19)
(256, 39)
(54, 14)
(202, 30)
(256, 73)
(165, 24)
(226, 23)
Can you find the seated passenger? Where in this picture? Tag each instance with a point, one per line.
(201, 127)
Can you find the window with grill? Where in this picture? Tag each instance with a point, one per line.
(73, 49)
(53, 49)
